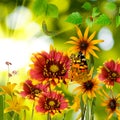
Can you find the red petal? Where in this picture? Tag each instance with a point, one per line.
(110, 65)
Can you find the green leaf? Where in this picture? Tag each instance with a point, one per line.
(92, 108)
(66, 92)
(39, 7)
(74, 18)
(95, 12)
(110, 6)
(52, 11)
(117, 20)
(87, 6)
(69, 115)
(103, 20)
(59, 116)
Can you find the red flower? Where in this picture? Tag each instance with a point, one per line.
(52, 67)
(51, 102)
(32, 91)
(110, 72)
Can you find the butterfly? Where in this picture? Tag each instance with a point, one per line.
(79, 60)
(79, 66)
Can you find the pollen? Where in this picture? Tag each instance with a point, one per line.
(36, 91)
(51, 103)
(54, 68)
(114, 74)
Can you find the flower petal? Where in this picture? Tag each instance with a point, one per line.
(93, 53)
(86, 33)
(79, 33)
(110, 115)
(91, 36)
(96, 41)
(72, 42)
(7, 110)
(74, 38)
(94, 47)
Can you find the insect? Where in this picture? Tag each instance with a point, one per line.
(79, 61)
(83, 62)
(79, 66)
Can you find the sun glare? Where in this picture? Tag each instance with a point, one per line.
(25, 39)
(18, 18)
(19, 52)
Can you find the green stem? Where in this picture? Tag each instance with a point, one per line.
(83, 113)
(24, 115)
(88, 110)
(4, 105)
(91, 62)
(13, 117)
(92, 109)
(2, 102)
(48, 116)
(32, 111)
(8, 73)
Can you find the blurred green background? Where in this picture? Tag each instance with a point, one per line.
(22, 33)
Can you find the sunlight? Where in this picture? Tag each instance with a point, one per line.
(18, 18)
(19, 52)
(26, 39)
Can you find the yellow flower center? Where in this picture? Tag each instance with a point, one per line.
(114, 74)
(51, 103)
(54, 68)
(36, 91)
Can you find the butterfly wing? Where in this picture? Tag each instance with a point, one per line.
(79, 66)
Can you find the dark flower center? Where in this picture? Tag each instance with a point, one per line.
(112, 104)
(34, 92)
(51, 104)
(54, 69)
(83, 45)
(88, 85)
(112, 75)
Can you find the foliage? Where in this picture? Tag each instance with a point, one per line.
(103, 20)
(42, 7)
(86, 6)
(74, 18)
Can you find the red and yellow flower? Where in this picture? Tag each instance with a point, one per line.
(84, 43)
(32, 91)
(110, 72)
(50, 67)
(51, 102)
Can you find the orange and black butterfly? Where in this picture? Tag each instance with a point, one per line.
(78, 66)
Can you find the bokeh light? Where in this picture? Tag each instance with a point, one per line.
(106, 35)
